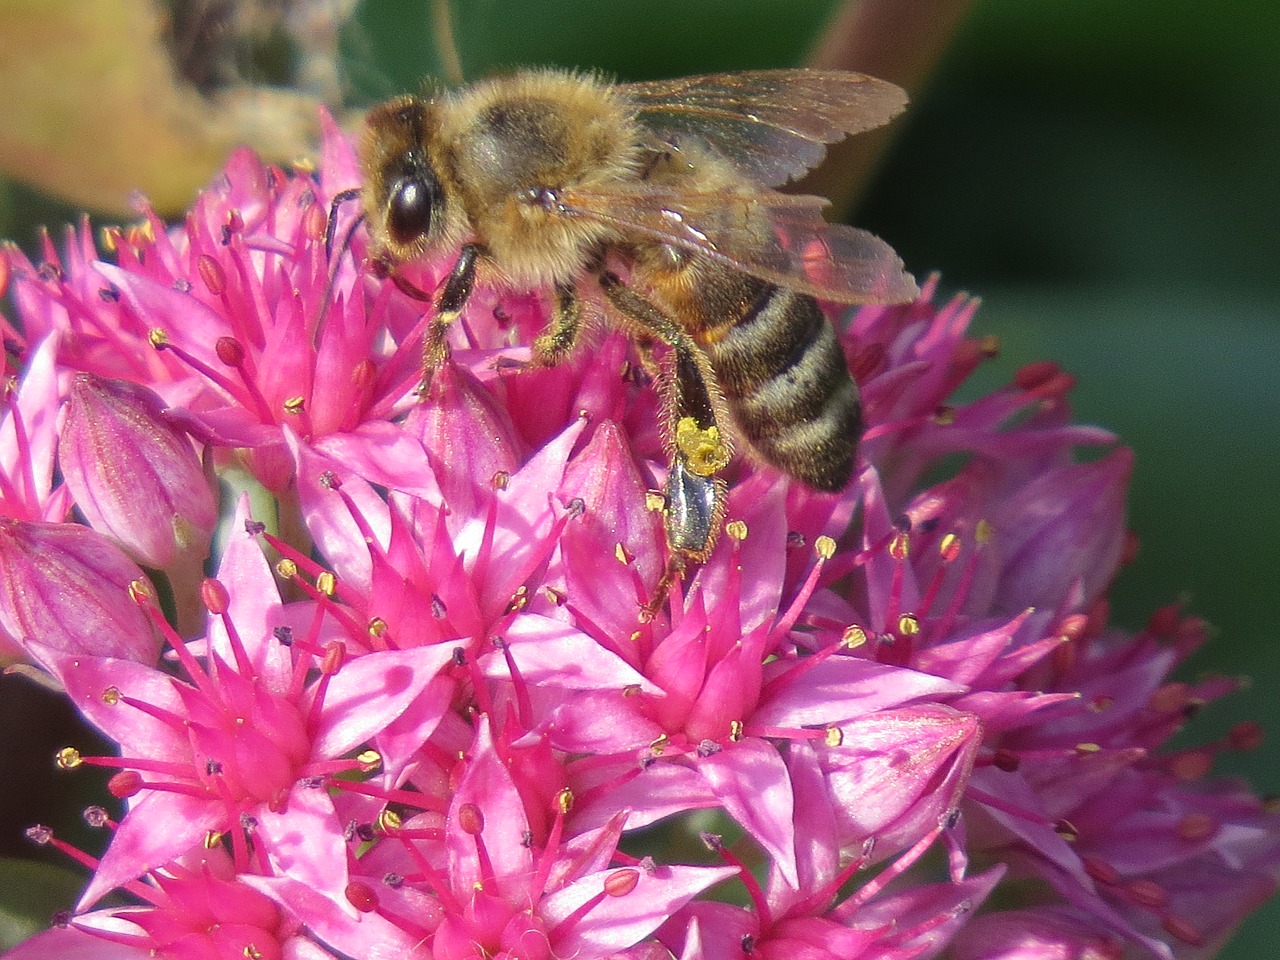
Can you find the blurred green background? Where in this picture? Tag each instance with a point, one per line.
(1105, 175)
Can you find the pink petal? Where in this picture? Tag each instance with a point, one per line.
(753, 783)
(618, 922)
(369, 692)
(160, 827)
(305, 842)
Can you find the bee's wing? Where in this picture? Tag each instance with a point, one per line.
(778, 237)
(771, 124)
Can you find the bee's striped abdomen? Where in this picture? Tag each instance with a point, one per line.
(785, 379)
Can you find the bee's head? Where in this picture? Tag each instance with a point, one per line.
(402, 195)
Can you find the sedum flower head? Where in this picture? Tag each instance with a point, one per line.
(426, 707)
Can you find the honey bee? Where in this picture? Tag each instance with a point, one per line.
(652, 203)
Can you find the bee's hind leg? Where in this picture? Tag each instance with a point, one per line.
(694, 496)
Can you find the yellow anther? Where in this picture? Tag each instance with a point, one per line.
(622, 554)
(294, 405)
(900, 546)
(389, 821)
(68, 758)
(735, 731)
(944, 416)
(326, 583)
(908, 625)
(983, 531)
(287, 568)
(369, 760)
(157, 338)
(825, 547)
(564, 800)
(111, 696)
(377, 627)
(213, 839)
(834, 737)
(949, 547)
(654, 501)
(853, 637)
(736, 529)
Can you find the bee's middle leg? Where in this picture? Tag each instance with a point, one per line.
(560, 336)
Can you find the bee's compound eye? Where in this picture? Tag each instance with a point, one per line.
(409, 208)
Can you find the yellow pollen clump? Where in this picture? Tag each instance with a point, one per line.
(111, 696)
(703, 450)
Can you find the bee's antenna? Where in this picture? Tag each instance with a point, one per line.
(330, 231)
(331, 228)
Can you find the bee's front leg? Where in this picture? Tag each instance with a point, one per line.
(448, 307)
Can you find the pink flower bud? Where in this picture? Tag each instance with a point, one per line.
(66, 587)
(133, 476)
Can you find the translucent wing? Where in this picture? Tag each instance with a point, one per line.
(778, 237)
(771, 124)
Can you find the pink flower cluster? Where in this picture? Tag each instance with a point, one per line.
(420, 710)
